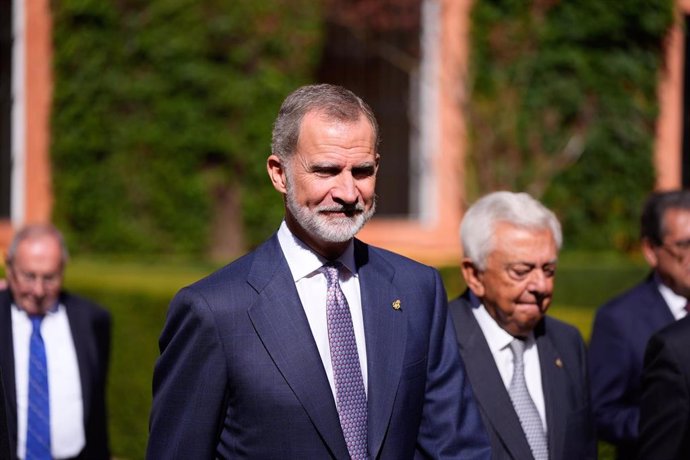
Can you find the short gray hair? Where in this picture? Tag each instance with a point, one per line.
(335, 102)
(34, 231)
(519, 209)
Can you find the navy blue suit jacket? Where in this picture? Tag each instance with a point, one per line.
(665, 404)
(91, 330)
(620, 333)
(562, 359)
(239, 375)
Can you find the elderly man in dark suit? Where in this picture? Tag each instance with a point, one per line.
(665, 401)
(54, 354)
(315, 345)
(528, 370)
(624, 324)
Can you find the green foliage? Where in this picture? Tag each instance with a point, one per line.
(161, 104)
(563, 105)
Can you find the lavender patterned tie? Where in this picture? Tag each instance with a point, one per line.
(349, 386)
(524, 405)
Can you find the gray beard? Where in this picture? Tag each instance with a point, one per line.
(329, 229)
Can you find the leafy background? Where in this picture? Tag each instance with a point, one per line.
(161, 125)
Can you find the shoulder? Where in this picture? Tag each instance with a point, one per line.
(74, 302)
(265, 259)
(638, 296)
(404, 266)
(677, 333)
(561, 331)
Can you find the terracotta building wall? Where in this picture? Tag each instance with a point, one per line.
(36, 39)
(669, 141)
(435, 239)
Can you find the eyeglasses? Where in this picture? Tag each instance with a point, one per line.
(31, 278)
(678, 249)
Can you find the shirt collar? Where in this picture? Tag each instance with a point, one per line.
(674, 301)
(303, 261)
(496, 337)
(51, 311)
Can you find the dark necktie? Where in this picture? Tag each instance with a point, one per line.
(38, 422)
(349, 386)
(524, 405)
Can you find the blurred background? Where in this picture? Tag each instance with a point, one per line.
(141, 129)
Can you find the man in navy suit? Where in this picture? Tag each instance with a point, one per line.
(528, 370)
(665, 401)
(624, 324)
(76, 335)
(249, 366)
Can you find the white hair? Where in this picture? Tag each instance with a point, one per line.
(519, 209)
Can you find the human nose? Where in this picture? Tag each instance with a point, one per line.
(38, 287)
(345, 191)
(539, 284)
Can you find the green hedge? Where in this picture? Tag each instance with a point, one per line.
(137, 293)
(162, 105)
(563, 104)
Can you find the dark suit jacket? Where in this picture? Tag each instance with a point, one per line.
(240, 375)
(665, 405)
(620, 333)
(564, 379)
(4, 430)
(91, 329)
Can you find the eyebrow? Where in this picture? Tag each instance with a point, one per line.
(329, 166)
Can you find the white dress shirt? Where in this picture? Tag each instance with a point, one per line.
(676, 303)
(305, 266)
(66, 407)
(499, 344)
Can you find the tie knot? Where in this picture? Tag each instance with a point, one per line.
(517, 346)
(36, 321)
(332, 270)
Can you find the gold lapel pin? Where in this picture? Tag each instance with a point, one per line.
(396, 304)
(559, 363)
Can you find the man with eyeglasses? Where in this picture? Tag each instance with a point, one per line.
(54, 354)
(623, 326)
(527, 369)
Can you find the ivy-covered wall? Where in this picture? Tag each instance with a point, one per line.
(163, 109)
(563, 105)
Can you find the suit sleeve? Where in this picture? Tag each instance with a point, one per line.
(589, 444)
(189, 383)
(451, 426)
(611, 370)
(665, 402)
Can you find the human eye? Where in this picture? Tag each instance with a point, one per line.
(325, 170)
(683, 245)
(363, 172)
(549, 270)
(520, 271)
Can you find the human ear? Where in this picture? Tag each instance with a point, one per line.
(277, 173)
(649, 252)
(472, 277)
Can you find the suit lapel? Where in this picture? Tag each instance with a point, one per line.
(7, 362)
(78, 325)
(554, 382)
(279, 320)
(487, 384)
(385, 334)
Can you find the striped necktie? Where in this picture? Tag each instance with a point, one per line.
(38, 422)
(524, 405)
